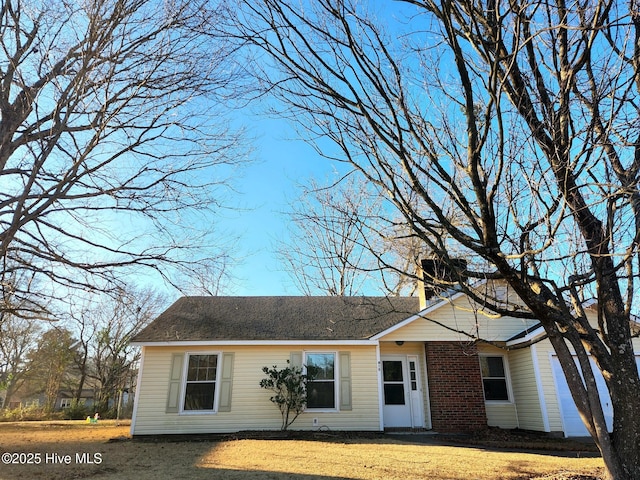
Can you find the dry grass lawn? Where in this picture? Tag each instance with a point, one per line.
(64, 449)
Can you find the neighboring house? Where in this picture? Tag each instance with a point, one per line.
(66, 397)
(23, 399)
(386, 363)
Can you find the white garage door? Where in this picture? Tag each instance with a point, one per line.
(573, 426)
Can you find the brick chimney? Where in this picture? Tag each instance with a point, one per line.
(455, 387)
(439, 276)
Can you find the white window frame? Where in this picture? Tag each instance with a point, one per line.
(336, 383)
(183, 390)
(66, 402)
(507, 377)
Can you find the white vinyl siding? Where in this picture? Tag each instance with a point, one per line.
(501, 415)
(544, 351)
(524, 382)
(461, 315)
(251, 408)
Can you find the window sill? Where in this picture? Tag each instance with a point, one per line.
(198, 412)
(499, 402)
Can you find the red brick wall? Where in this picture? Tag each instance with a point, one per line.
(455, 387)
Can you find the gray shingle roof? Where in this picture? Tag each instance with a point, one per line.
(277, 318)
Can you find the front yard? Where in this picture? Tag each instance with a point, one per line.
(62, 450)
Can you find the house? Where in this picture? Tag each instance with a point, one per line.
(66, 398)
(386, 363)
(22, 398)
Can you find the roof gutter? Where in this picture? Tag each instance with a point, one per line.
(199, 343)
(531, 337)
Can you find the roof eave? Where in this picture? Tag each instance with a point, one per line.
(201, 343)
(531, 337)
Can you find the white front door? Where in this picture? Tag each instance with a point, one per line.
(396, 385)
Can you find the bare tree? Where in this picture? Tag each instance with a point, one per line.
(504, 131)
(103, 329)
(111, 141)
(334, 231)
(18, 337)
(81, 319)
(325, 253)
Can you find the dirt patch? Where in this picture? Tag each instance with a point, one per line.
(104, 451)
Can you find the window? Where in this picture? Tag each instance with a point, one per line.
(494, 378)
(200, 385)
(65, 402)
(321, 392)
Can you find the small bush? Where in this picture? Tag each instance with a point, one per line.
(33, 412)
(289, 386)
(110, 413)
(76, 411)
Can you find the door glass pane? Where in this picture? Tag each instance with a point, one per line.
(394, 394)
(392, 371)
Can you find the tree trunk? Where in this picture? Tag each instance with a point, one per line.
(626, 432)
(81, 381)
(8, 395)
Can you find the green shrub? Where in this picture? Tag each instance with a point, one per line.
(110, 413)
(289, 386)
(76, 411)
(32, 412)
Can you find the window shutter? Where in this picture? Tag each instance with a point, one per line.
(226, 382)
(295, 359)
(345, 381)
(173, 397)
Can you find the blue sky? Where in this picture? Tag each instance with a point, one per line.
(267, 185)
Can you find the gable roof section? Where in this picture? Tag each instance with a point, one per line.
(432, 305)
(453, 314)
(197, 319)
